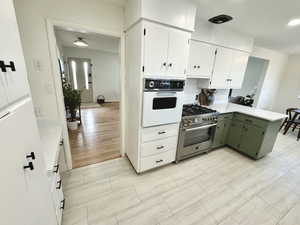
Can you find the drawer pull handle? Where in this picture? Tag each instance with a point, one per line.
(161, 132)
(56, 168)
(160, 147)
(63, 202)
(59, 185)
(159, 161)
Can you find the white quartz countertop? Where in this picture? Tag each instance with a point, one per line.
(50, 133)
(259, 113)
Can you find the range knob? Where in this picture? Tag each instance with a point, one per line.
(151, 84)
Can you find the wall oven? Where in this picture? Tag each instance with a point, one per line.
(162, 102)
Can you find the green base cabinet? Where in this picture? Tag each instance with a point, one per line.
(252, 136)
(223, 126)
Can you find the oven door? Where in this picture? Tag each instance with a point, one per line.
(197, 139)
(162, 108)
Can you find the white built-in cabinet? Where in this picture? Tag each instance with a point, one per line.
(229, 68)
(13, 75)
(201, 59)
(165, 51)
(3, 96)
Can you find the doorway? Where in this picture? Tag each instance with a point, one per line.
(253, 80)
(93, 71)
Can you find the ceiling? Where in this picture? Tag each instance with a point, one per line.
(95, 41)
(265, 20)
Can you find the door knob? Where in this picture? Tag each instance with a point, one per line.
(171, 64)
(31, 155)
(164, 64)
(30, 166)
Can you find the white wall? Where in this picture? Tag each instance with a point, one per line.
(105, 71)
(32, 15)
(289, 91)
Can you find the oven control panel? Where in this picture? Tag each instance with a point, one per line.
(163, 85)
(199, 120)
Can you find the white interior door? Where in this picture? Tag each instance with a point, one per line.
(155, 49)
(222, 68)
(201, 59)
(178, 53)
(25, 195)
(238, 69)
(11, 52)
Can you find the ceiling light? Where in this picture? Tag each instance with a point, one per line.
(80, 42)
(294, 22)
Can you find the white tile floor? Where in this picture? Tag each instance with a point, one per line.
(222, 187)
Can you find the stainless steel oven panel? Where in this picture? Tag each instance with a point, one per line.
(196, 149)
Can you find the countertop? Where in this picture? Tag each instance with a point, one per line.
(259, 113)
(50, 133)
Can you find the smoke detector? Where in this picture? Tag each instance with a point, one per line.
(220, 19)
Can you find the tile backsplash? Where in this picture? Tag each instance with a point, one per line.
(193, 88)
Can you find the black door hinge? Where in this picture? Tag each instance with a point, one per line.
(144, 32)
(143, 68)
(216, 51)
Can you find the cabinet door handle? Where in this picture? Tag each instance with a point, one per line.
(160, 147)
(195, 67)
(31, 155)
(198, 67)
(56, 168)
(4, 67)
(161, 132)
(164, 64)
(59, 184)
(63, 202)
(170, 64)
(30, 166)
(159, 161)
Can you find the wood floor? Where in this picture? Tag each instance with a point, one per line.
(219, 188)
(98, 138)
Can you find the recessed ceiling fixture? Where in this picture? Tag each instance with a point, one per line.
(220, 19)
(80, 42)
(294, 22)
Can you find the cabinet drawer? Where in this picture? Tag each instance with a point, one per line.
(157, 160)
(159, 132)
(251, 120)
(159, 146)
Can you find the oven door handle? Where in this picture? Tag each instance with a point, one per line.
(201, 128)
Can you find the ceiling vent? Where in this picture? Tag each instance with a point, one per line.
(220, 19)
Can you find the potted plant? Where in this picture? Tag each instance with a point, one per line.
(72, 103)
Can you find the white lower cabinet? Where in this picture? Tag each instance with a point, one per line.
(158, 160)
(158, 147)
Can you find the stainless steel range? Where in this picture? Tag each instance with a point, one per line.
(197, 130)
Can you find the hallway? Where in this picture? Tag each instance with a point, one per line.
(98, 139)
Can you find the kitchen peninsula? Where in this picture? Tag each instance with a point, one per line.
(250, 131)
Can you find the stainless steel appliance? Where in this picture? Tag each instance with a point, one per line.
(197, 129)
(163, 101)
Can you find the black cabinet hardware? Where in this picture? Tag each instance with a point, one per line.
(59, 184)
(164, 64)
(61, 142)
(160, 147)
(56, 168)
(31, 155)
(159, 161)
(171, 64)
(4, 66)
(161, 132)
(63, 204)
(195, 67)
(30, 166)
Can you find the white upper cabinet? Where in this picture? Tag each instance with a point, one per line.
(222, 68)
(3, 96)
(165, 51)
(11, 54)
(201, 59)
(238, 69)
(178, 52)
(156, 44)
(176, 13)
(229, 70)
